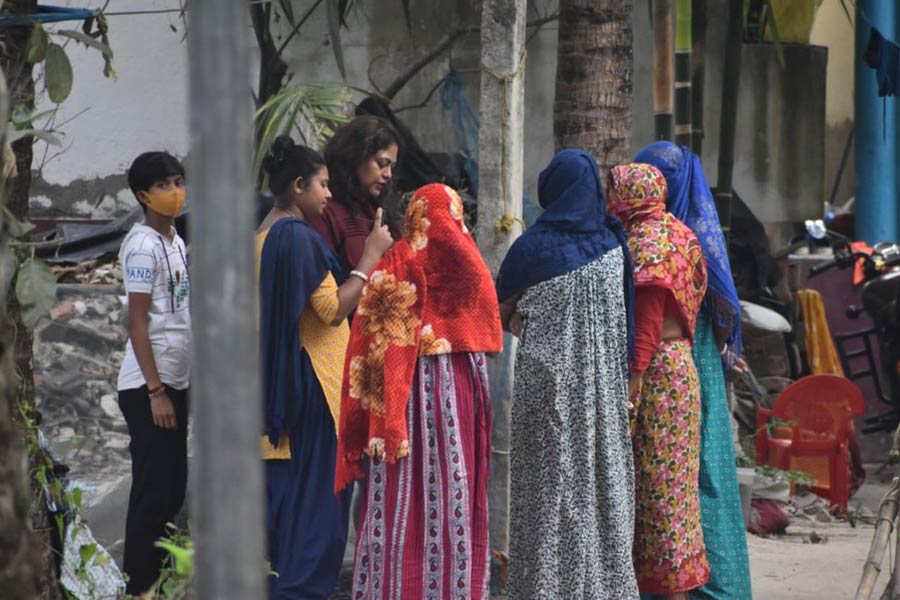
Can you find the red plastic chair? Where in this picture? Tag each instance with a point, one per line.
(820, 409)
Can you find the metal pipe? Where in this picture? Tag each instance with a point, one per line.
(875, 124)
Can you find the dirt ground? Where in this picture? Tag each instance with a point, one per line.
(791, 567)
(812, 561)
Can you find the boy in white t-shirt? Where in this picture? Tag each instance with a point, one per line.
(154, 377)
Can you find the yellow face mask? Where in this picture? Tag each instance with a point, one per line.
(168, 203)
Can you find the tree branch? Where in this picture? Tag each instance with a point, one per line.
(446, 42)
(272, 68)
(297, 26)
(423, 102)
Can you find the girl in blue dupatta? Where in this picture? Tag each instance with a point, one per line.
(566, 290)
(303, 337)
(717, 349)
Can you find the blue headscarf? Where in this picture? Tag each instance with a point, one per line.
(690, 200)
(573, 230)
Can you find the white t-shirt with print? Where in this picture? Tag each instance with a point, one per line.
(153, 265)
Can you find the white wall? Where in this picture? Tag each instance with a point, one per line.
(144, 109)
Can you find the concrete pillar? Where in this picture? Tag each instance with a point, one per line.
(876, 133)
(227, 493)
(501, 157)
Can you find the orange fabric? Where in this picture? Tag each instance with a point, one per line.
(820, 351)
(430, 294)
(859, 270)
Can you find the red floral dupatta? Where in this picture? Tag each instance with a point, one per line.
(430, 294)
(665, 252)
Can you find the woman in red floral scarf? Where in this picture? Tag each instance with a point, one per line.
(670, 283)
(415, 402)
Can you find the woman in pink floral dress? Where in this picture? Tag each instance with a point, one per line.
(670, 283)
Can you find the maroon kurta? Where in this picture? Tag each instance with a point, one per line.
(345, 232)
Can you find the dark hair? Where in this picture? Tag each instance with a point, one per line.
(350, 147)
(150, 167)
(286, 161)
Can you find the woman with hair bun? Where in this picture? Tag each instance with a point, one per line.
(305, 297)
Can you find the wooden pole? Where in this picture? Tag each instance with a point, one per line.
(501, 164)
(683, 44)
(227, 490)
(734, 42)
(663, 70)
(884, 526)
(698, 75)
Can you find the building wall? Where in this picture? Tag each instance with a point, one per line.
(833, 30)
(112, 121)
(147, 106)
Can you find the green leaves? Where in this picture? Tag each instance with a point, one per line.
(335, 19)
(182, 555)
(17, 228)
(38, 43)
(776, 37)
(44, 135)
(35, 290)
(87, 552)
(337, 12)
(319, 108)
(58, 73)
(87, 40)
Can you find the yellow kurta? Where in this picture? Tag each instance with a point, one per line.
(325, 343)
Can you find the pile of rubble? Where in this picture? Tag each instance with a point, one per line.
(77, 356)
(90, 272)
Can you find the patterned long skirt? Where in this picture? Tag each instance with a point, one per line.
(669, 554)
(423, 530)
(720, 499)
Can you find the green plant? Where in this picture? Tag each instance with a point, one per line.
(66, 500)
(57, 76)
(791, 476)
(313, 112)
(749, 453)
(174, 581)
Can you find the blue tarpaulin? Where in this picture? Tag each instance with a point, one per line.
(47, 14)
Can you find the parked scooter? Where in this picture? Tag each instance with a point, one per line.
(880, 301)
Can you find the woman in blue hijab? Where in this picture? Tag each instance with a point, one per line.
(565, 290)
(717, 349)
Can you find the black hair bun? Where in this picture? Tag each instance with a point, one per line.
(278, 153)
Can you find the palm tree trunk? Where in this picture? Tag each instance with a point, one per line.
(730, 86)
(17, 339)
(683, 43)
(663, 72)
(698, 67)
(592, 109)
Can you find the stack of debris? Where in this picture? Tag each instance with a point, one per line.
(77, 356)
(90, 272)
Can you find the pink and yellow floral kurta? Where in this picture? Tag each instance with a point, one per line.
(669, 554)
